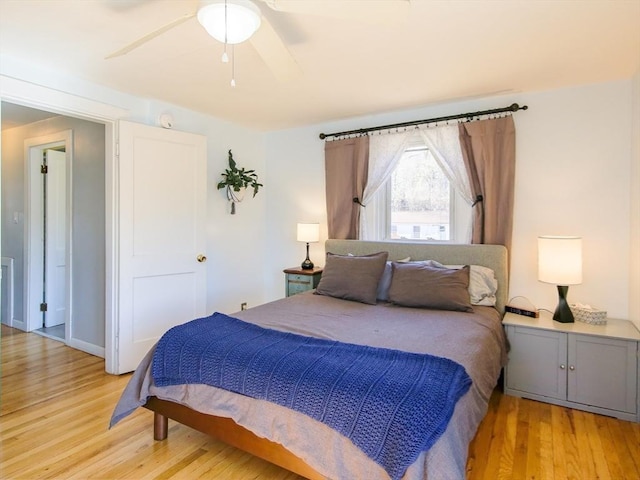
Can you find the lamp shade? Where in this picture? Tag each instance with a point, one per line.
(560, 260)
(230, 22)
(308, 232)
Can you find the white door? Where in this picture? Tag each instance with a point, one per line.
(47, 282)
(161, 213)
(55, 238)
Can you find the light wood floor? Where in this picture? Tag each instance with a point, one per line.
(56, 403)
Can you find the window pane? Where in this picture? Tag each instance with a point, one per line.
(420, 199)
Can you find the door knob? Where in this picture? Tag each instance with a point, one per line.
(201, 258)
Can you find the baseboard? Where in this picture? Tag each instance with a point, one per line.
(19, 324)
(86, 347)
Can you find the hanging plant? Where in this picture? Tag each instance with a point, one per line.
(236, 181)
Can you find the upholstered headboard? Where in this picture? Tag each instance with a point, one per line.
(492, 256)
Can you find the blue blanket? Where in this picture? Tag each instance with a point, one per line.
(391, 404)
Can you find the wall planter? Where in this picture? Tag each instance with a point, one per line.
(236, 181)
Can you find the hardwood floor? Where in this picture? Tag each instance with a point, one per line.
(56, 403)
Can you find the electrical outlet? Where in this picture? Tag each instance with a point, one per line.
(243, 306)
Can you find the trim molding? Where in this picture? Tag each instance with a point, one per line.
(44, 98)
(9, 282)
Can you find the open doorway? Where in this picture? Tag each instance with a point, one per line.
(80, 233)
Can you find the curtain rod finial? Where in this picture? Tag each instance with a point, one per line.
(515, 107)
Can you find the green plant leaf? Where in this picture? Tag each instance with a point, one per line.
(238, 178)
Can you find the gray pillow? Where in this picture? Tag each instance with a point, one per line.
(385, 281)
(352, 277)
(421, 285)
(482, 283)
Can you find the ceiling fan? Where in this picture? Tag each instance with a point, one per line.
(216, 16)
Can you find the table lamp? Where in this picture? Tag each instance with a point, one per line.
(560, 263)
(308, 232)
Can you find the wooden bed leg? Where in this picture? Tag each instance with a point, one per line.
(160, 426)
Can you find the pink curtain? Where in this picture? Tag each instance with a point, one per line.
(489, 152)
(346, 167)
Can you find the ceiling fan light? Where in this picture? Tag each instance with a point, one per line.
(242, 20)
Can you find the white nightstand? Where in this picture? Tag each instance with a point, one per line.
(588, 367)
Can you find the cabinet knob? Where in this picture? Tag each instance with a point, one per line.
(562, 367)
(571, 367)
(201, 258)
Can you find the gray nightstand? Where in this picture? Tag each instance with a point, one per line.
(298, 280)
(589, 367)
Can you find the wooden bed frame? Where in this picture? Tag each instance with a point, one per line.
(228, 431)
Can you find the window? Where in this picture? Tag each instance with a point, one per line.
(420, 206)
(418, 203)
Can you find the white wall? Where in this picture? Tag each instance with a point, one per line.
(573, 164)
(634, 282)
(574, 153)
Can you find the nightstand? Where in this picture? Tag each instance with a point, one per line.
(298, 280)
(577, 365)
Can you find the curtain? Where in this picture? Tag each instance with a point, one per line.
(489, 151)
(346, 166)
(384, 153)
(444, 144)
(385, 150)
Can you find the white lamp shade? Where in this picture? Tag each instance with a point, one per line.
(242, 20)
(308, 232)
(560, 260)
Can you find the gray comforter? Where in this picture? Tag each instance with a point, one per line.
(474, 340)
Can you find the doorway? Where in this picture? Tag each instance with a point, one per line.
(80, 285)
(48, 161)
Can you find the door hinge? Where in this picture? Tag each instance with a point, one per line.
(43, 307)
(44, 169)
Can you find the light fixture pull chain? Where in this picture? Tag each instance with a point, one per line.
(225, 57)
(233, 65)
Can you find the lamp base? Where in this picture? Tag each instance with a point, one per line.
(563, 313)
(307, 264)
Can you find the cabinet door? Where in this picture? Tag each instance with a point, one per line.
(537, 362)
(602, 372)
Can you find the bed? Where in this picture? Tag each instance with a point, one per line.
(473, 339)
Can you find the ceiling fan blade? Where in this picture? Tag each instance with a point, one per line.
(150, 36)
(378, 12)
(275, 54)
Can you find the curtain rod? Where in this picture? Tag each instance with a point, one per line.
(514, 107)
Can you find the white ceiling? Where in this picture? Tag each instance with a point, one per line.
(441, 51)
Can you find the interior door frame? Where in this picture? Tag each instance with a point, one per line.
(32, 95)
(34, 250)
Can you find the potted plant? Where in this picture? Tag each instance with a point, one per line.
(236, 181)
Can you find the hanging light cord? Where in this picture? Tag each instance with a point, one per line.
(233, 65)
(225, 57)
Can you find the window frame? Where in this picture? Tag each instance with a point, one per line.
(378, 212)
